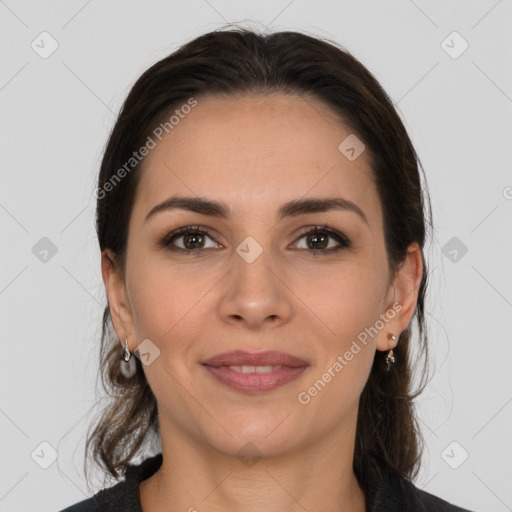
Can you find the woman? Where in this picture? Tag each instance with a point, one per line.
(261, 223)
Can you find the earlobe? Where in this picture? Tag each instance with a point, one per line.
(404, 291)
(120, 309)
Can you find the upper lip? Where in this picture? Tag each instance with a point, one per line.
(243, 358)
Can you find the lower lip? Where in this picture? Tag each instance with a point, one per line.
(254, 382)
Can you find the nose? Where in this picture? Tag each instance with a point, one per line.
(255, 293)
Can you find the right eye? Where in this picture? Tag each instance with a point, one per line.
(193, 239)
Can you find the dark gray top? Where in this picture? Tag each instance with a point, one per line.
(393, 494)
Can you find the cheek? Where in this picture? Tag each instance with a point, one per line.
(347, 306)
(158, 301)
(169, 308)
(348, 302)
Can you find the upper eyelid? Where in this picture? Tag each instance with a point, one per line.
(179, 232)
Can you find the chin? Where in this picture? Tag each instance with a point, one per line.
(249, 448)
(255, 435)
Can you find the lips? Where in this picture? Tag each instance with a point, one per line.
(254, 372)
(242, 358)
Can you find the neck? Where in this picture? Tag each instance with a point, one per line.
(317, 476)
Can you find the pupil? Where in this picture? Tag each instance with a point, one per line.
(194, 239)
(316, 237)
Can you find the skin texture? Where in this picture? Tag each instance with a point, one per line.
(255, 153)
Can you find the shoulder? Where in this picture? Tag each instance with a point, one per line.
(396, 493)
(433, 503)
(114, 499)
(105, 500)
(124, 496)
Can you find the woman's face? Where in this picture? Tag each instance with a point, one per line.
(256, 282)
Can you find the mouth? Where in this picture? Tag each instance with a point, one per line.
(255, 372)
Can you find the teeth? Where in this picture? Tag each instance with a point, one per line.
(254, 369)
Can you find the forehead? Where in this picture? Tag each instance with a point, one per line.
(256, 152)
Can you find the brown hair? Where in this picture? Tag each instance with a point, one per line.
(239, 61)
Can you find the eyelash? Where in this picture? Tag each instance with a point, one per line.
(337, 236)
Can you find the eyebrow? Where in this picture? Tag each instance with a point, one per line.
(293, 208)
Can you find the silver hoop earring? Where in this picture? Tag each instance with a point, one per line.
(127, 363)
(127, 353)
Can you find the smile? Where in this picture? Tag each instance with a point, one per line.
(254, 379)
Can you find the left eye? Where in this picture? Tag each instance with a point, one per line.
(317, 239)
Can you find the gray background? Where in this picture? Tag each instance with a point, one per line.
(56, 116)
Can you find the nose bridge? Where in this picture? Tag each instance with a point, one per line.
(253, 263)
(254, 292)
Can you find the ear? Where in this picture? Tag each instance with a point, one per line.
(402, 298)
(119, 304)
